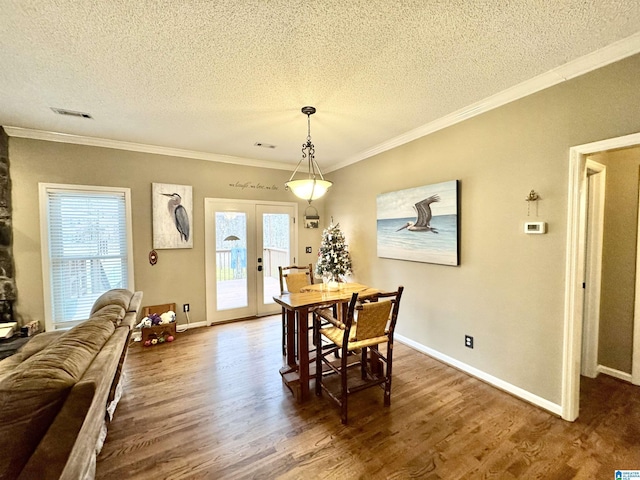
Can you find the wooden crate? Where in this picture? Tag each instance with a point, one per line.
(158, 331)
(159, 309)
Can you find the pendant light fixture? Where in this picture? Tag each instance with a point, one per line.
(311, 187)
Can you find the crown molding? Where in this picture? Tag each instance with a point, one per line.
(612, 53)
(21, 132)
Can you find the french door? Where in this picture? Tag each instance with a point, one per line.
(246, 241)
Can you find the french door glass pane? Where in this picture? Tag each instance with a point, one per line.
(231, 260)
(276, 247)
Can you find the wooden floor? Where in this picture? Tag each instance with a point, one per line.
(211, 406)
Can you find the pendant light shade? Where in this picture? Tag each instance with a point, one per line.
(309, 189)
(314, 186)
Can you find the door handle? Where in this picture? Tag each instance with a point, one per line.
(259, 268)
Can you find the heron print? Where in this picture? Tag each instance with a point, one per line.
(172, 211)
(419, 224)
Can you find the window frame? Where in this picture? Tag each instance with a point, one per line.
(44, 189)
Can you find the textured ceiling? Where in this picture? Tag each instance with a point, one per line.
(219, 76)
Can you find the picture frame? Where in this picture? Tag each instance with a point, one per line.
(420, 224)
(172, 210)
(312, 222)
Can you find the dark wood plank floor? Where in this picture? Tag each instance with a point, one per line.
(211, 406)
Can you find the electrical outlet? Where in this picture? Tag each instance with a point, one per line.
(468, 341)
(307, 250)
(185, 307)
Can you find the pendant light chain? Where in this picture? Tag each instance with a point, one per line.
(310, 148)
(312, 187)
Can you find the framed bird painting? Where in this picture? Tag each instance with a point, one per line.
(420, 224)
(172, 215)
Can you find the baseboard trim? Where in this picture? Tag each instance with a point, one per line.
(612, 372)
(485, 377)
(183, 327)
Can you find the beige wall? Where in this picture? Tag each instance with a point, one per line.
(179, 275)
(509, 290)
(615, 342)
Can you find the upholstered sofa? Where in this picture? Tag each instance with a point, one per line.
(58, 392)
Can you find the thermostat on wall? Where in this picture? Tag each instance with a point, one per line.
(535, 227)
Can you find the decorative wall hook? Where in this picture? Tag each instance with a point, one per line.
(532, 197)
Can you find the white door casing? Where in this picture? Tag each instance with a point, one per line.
(253, 210)
(596, 185)
(574, 274)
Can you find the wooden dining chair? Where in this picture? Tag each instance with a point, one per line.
(293, 279)
(366, 326)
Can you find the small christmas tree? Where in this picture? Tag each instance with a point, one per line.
(333, 257)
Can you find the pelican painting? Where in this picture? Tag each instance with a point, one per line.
(422, 223)
(172, 213)
(419, 224)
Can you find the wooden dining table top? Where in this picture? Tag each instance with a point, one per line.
(319, 294)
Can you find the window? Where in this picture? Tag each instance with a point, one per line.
(86, 248)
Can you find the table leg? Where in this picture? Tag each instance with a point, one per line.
(303, 352)
(291, 339)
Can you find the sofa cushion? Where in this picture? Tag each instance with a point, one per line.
(113, 313)
(8, 364)
(117, 296)
(34, 345)
(33, 392)
(38, 342)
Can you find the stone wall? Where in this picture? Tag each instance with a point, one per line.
(7, 282)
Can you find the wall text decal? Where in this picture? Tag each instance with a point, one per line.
(252, 185)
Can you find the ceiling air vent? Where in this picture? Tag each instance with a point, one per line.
(264, 145)
(71, 113)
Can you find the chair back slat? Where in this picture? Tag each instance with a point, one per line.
(372, 320)
(296, 281)
(293, 277)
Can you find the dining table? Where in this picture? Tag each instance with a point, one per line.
(299, 369)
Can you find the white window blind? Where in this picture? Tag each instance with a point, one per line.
(88, 249)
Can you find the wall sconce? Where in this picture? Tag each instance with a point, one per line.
(532, 197)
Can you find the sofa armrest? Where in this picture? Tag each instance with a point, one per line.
(135, 303)
(113, 395)
(130, 319)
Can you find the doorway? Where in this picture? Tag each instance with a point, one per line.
(575, 274)
(245, 242)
